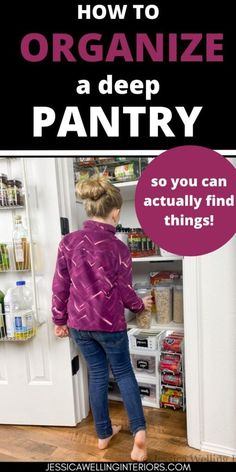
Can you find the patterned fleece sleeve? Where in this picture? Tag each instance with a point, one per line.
(125, 277)
(60, 289)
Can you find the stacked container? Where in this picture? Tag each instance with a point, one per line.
(171, 368)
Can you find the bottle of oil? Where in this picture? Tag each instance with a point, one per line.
(21, 245)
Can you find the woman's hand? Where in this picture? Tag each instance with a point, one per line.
(148, 302)
(61, 331)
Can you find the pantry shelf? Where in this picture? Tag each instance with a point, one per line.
(172, 325)
(157, 259)
(127, 189)
(16, 207)
(174, 387)
(14, 271)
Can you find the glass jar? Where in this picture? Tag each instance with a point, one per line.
(4, 258)
(135, 242)
(14, 192)
(3, 190)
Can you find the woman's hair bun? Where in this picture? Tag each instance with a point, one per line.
(93, 188)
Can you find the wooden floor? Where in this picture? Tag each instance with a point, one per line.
(166, 441)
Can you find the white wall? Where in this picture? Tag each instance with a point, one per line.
(218, 348)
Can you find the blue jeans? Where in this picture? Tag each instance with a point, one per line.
(101, 349)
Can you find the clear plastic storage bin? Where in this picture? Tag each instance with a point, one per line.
(178, 311)
(149, 392)
(163, 299)
(144, 318)
(145, 365)
(145, 339)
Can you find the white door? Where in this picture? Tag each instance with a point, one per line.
(37, 385)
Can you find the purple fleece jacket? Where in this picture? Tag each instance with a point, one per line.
(93, 280)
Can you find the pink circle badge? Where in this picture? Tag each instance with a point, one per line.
(185, 200)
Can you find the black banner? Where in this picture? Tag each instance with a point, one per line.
(118, 466)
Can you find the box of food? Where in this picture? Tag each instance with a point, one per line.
(171, 398)
(170, 364)
(173, 342)
(163, 276)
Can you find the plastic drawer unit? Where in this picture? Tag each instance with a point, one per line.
(113, 391)
(145, 364)
(145, 339)
(149, 392)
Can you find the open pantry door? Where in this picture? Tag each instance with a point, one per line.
(43, 381)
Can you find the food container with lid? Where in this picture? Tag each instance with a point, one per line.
(178, 311)
(163, 299)
(14, 192)
(143, 318)
(3, 189)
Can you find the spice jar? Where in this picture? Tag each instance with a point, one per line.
(14, 192)
(3, 190)
(4, 258)
(135, 242)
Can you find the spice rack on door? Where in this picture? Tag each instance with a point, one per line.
(14, 199)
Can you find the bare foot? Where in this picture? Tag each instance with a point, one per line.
(103, 443)
(139, 452)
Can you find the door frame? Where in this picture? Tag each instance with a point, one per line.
(193, 350)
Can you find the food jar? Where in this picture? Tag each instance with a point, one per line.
(148, 246)
(163, 299)
(14, 192)
(143, 318)
(135, 242)
(178, 311)
(140, 244)
(3, 190)
(4, 258)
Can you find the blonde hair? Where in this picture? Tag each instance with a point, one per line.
(100, 196)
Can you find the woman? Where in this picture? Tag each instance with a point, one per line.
(91, 287)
